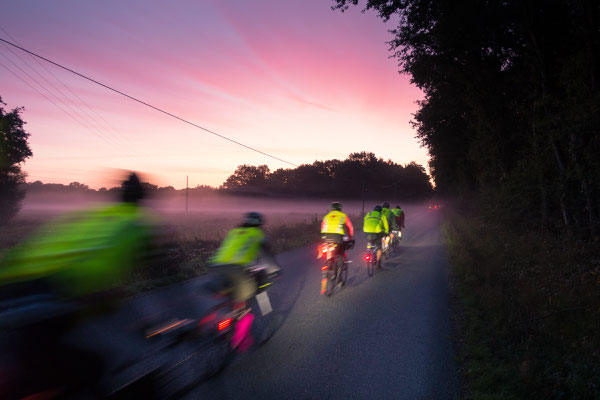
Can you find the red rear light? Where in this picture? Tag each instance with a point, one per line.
(324, 268)
(225, 324)
(367, 257)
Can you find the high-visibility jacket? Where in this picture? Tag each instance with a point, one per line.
(387, 213)
(241, 246)
(399, 213)
(375, 222)
(337, 222)
(84, 252)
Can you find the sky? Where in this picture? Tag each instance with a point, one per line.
(291, 78)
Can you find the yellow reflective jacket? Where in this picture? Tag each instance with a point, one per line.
(334, 222)
(387, 213)
(375, 222)
(241, 246)
(397, 212)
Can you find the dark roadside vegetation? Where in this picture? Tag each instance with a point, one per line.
(511, 118)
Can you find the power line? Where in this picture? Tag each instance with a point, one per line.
(111, 131)
(42, 94)
(91, 127)
(146, 104)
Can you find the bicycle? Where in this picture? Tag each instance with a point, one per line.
(395, 242)
(205, 346)
(371, 256)
(335, 270)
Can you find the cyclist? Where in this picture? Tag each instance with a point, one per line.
(240, 250)
(399, 216)
(375, 225)
(70, 270)
(336, 226)
(387, 213)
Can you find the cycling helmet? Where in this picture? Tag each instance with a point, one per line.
(398, 207)
(336, 206)
(385, 205)
(253, 219)
(377, 208)
(132, 190)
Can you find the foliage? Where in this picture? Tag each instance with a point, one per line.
(529, 304)
(512, 100)
(360, 174)
(14, 149)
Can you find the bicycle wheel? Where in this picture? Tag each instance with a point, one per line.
(371, 264)
(395, 245)
(343, 273)
(265, 326)
(332, 279)
(198, 361)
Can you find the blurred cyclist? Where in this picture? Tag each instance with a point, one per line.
(337, 227)
(240, 250)
(399, 215)
(70, 270)
(387, 213)
(375, 225)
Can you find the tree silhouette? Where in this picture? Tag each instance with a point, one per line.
(14, 150)
(351, 178)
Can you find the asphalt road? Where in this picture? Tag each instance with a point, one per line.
(380, 337)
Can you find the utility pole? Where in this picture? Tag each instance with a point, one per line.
(362, 192)
(186, 192)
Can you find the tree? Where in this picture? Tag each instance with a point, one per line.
(510, 111)
(14, 149)
(360, 173)
(246, 176)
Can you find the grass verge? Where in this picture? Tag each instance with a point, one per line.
(529, 311)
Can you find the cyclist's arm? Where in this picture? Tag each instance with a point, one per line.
(349, 228)
(386, 226)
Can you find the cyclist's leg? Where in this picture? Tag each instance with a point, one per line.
(232, 281)
(244, 285)
(381, 240)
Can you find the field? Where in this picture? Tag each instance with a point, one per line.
(185, 241)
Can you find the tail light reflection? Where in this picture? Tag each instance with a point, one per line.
(225, 324)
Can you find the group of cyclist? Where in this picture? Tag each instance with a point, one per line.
(382, 225)
(84, 260)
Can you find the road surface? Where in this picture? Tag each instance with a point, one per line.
(380, 337)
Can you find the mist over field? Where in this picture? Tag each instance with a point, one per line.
(40, 204)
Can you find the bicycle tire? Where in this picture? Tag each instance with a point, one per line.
(264, 327)
(395, 246)
(344, 274)
(205, 360)
(371, 265)
(332, 279)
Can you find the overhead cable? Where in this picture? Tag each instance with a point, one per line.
(147, 104)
